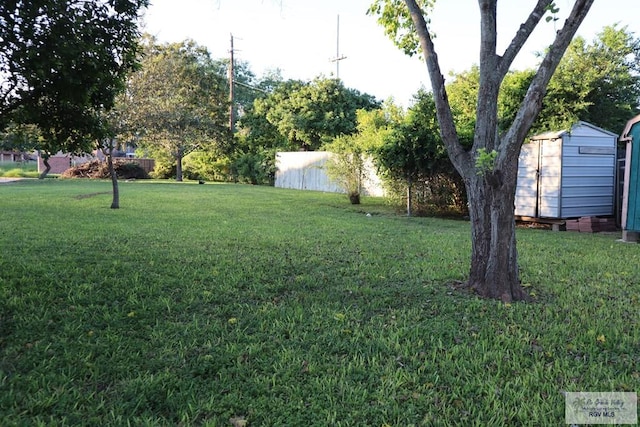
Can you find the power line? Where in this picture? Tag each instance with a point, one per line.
(257, 89)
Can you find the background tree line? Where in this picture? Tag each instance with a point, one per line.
(171, 102)
(597, 82)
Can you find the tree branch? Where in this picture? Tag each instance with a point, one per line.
(459, 157)
(488, 33)
(523, 34)
(532, 103)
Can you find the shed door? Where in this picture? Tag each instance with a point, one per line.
(527, 186)
(550, 178)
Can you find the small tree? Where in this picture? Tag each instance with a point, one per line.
(413, 152)
(62, 63)
(346, 166)
(107, 150)
(352, 154)
(177, 101)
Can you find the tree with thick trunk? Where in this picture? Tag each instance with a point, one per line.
(489, 168)
(45, 161)
(107, 150)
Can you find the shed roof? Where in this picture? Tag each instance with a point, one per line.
(549, 135)
(624, 136)
(559, 134)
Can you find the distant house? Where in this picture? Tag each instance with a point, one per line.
(13, 156)
(631, 193)
(60, 162)
(567, 174)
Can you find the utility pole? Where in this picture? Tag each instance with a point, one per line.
(232, 110)
(338, 57)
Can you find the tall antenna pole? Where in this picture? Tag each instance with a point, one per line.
(338, 57)
(232, 112)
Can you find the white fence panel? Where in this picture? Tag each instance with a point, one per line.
(305, 170)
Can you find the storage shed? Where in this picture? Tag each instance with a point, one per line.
(631, 190)
(567, 174)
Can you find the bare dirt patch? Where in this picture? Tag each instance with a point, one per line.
(86, 196)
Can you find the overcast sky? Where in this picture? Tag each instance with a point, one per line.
(299, 37)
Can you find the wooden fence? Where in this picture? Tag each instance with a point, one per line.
(146, 164)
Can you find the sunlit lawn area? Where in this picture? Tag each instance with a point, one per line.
(15, 170)
(197, 304)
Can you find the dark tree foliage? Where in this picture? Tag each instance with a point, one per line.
(256, 130)
(61, 63)
(597, 82)
(414, 148)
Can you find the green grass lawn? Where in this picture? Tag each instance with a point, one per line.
(197, 304)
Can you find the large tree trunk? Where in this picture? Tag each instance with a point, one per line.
(179, 168)
(47, 167)
(494, 257)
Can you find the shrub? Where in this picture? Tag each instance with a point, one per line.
(346, 166)
(16, 173)
(440, 194)
(164, 169)
(19, 169)
(254, 168)
(207, 166)
(129, 170)
(97, 169)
